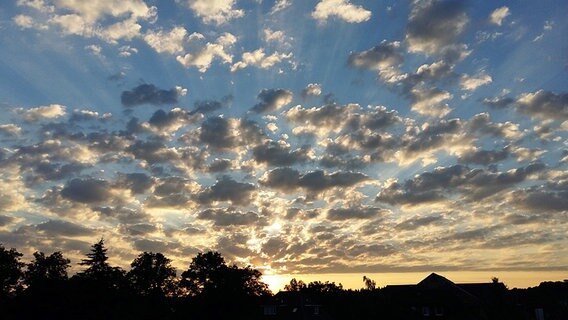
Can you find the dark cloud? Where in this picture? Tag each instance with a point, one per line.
(227, 189)
(415, 223)
(285, 179)
(357, 212)
(148, 94)
(288, 179)
(550, 197)
(498, 102)
(272, 100)
(218, 133)
(87, 190)
(379, 58)
(219, 165)
(434, 27)
(150, 245)
(544, 104)
(152, 151)
(472, 184)
(484, 157)
(5, 220)
(174, 118)
(138, 183)
(229, 217)
(276, 154)
(139, 229)
(63, 228)
(208, 106)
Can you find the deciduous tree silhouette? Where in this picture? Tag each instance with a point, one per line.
(46, 269)
(152, 274)
(209, 274)
(370, 284)
(295, 285)
(10, 271)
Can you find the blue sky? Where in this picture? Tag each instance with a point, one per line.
(332, 136)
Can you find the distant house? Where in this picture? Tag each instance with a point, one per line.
(293, 305)
(438, 298)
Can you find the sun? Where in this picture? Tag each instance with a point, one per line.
(275, 282)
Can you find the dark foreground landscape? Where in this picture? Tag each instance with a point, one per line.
(211, 289)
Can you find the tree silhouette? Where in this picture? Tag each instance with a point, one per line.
(295, 285)
(209, 274)
(152, 274)
(99, 269)
(370, 284)
(10, 271)
(46, 268)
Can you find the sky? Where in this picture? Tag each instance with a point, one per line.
(322, 138)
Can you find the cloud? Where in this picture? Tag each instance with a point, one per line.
(272, 100)
(229, 217)
(10, 130)
(63, 228)
(216, 12)
(484, 157)
(259, 59)
(340, 9)
(435, 26)
(51, 111)
(171, 42)
(311, 90)
(357, 212)
(383, 58)
(148, 94)
(227, 189)
(204, 56)
(543, 104)
(221, 133)
(279, 154)
(430, 101)
(280, 5)
(288, 179)
(443, 182)
(498, 15)
(470, 83)
(208, 106)
(498, 102)
(87, 190)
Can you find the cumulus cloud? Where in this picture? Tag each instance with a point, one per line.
(229, 217)
(498, 15)
(280, 5)
(311, 90)
(51, 111)
(259, 59)
(430, 101)
(340, 9)
(498, 102)
(279, 154)
(203, 57)
(288, 179)
(434, 27)
(87, 190)
(10, 130)
(470, 83)
(356, 212)
(148, 94)
(227, 189)
(440, 184)
(544, 104)
(172, 41)
(272, 100)
(383, 58)
(216, 12)
(63, 228)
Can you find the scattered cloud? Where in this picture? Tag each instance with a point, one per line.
(340, 9)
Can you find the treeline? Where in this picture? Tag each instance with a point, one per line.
(209, 288)
(212, 289)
